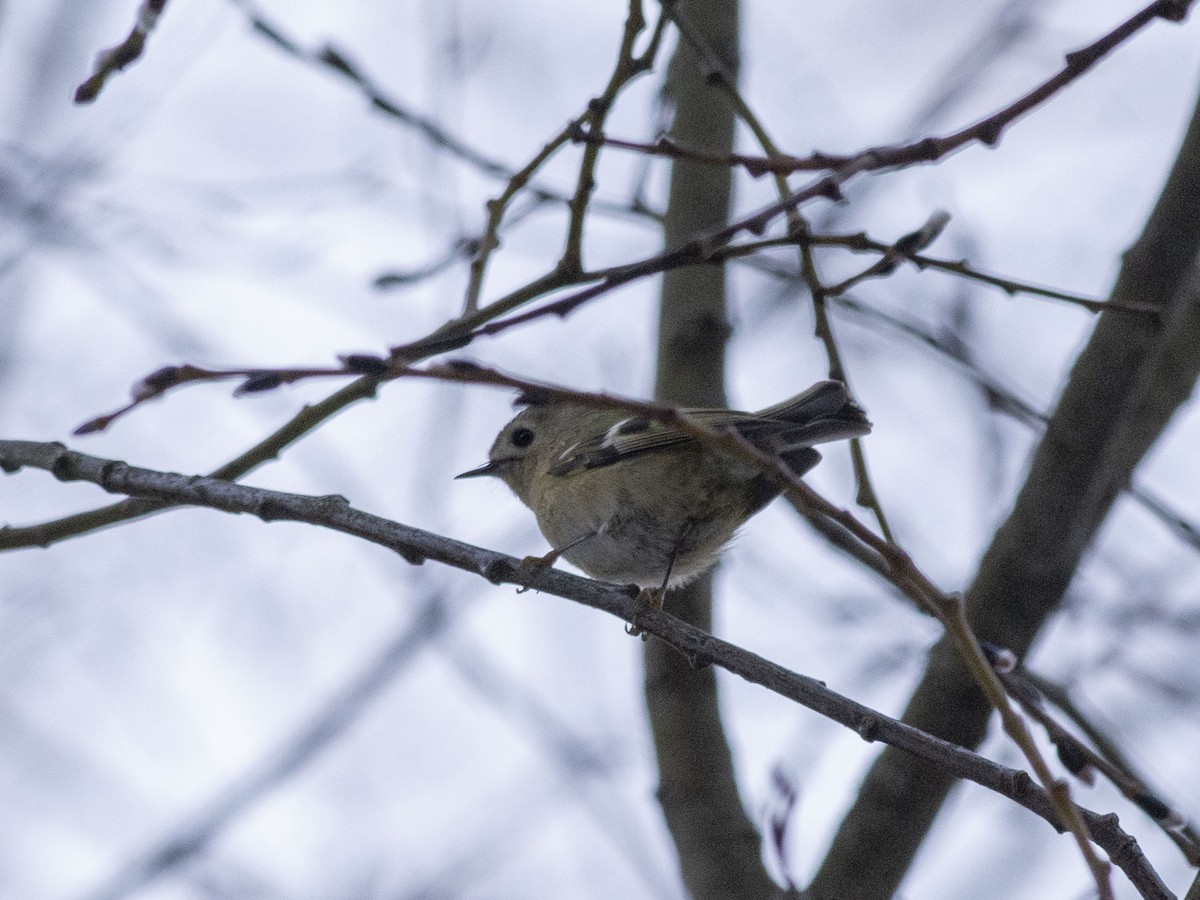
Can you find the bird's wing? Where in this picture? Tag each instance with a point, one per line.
(638, 434)
(822, 413)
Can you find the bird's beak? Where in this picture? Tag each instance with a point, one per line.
(488, 468)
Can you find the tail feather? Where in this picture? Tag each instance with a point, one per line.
(822, 413)
(822, 399)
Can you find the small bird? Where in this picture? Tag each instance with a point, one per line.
(630, 500)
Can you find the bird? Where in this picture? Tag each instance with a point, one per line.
(631, 500)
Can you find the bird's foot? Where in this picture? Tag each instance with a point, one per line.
(652, 597)
(531, 564)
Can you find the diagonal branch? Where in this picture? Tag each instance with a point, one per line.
(986, 131)
(699, 647)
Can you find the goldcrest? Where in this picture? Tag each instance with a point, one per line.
(631, 500)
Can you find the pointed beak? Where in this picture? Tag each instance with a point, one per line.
(488, 468)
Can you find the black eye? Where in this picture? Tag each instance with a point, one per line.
(521, 437)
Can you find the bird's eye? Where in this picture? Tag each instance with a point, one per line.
(521, 437)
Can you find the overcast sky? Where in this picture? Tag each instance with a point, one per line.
(225, 203)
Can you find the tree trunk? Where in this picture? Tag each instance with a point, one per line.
(718, 846)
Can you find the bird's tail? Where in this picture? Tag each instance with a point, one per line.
(820, 414)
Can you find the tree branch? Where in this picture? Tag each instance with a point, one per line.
(700, 648)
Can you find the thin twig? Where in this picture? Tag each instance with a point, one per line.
(124, 54)
(330, 58)
(628, 67)
(1004, 400)
(867, 496)
(986, 131)
(1107, 758)
(860, 242)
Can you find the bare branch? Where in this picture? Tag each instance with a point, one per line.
(701, 648)
(896, 252)
(986, 131)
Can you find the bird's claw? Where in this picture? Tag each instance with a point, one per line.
(531, 564)
(652, 597)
